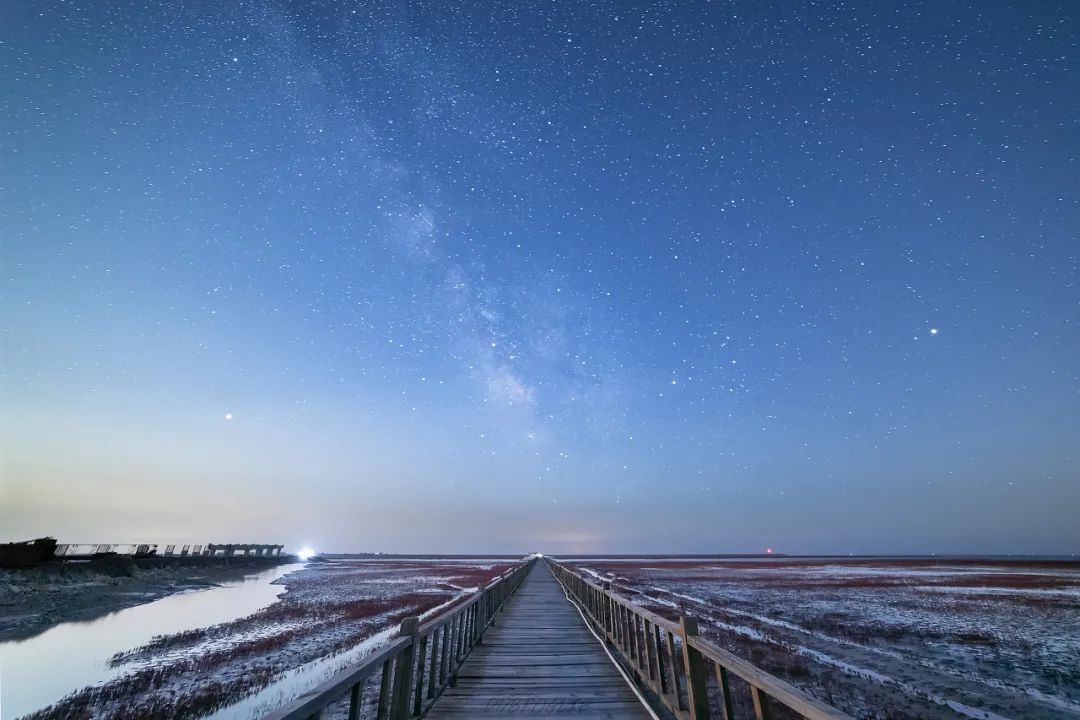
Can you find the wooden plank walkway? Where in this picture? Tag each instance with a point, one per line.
(539, 661)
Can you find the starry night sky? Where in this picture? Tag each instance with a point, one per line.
(556, 276)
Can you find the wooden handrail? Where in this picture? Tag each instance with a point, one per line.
(416, 666)
(315, 700)
(672, 660)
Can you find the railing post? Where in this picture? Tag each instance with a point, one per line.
(443, 650)
(725, 693)
(761, 707)
(676, 682)
(403, 670)
(470, 629)
(356, 699)
(433, 666)
(664, 688)
(482, 614)
(650, 656)
(635, 649)
(455, 648)
(624, 628)
(418, 700)
(452, 652)
(386, 684)
(607, 609)
(696, 690)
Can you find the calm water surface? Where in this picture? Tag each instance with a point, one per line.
(38, 671)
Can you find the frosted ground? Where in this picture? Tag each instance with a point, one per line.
(888, 638)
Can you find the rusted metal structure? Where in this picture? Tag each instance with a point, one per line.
(82, 551)
(232, 550)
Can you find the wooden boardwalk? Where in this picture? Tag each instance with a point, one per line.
(539, 661)
(518, 648)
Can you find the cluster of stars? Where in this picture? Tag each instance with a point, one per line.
(726, 231)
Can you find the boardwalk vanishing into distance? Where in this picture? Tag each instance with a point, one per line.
(543, 642)
(539, 660)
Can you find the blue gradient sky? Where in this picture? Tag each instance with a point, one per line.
(565, 277)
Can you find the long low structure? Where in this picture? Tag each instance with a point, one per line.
(543, 642)
(83, 550)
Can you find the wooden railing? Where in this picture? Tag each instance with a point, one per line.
(411, 671)
(673, 661)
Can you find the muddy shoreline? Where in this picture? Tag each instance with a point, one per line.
(34, 600)
(326, 613)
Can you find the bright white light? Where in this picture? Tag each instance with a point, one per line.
(305, 553)
(933, 331)
(228, 416)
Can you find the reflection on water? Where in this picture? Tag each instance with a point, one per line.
(38, 671)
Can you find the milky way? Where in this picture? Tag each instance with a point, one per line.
(567, 276)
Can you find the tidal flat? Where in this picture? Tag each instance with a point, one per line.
(232, 651)
(887, 638)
